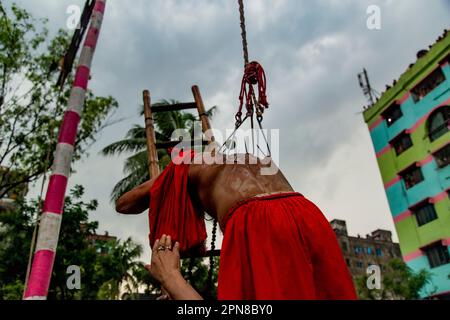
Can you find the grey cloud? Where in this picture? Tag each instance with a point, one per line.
(311, 50)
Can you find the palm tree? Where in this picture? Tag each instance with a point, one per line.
(146, 281)
(121, 264)
(126, 255)
(136, 166)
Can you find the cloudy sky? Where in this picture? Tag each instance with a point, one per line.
(311, 51)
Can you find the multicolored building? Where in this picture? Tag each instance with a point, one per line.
(409, 126)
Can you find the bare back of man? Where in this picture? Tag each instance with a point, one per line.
(221, 185)
(217, 186)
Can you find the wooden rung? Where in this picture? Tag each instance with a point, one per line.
(214, 253)
(174, 107)
(171, 144)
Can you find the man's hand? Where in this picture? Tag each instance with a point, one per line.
(165, 262)
(165, 268)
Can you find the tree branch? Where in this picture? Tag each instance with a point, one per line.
(8, 187)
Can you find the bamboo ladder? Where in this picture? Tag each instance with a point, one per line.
(152, 145)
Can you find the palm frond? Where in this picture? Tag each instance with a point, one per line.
(166, 123)
(211, 112)
(136, 162)
(128, 183)
(160, 137)
(126, 145)
(136, 132)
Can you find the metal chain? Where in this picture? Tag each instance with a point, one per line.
(243, 32)
(211, 257)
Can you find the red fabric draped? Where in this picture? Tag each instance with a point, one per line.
(281, 247)
(172, 212)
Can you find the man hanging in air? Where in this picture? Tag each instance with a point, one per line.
(277, 244)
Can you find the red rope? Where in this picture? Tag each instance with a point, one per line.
(253, 75)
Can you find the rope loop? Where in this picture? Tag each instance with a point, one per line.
(254, 75)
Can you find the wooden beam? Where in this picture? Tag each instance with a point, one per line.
(171, 144)
(174, 107)
(208, 253)
(202, 113)
(153, 163)
(214, 253)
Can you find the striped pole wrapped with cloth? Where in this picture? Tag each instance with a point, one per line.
(50, 222)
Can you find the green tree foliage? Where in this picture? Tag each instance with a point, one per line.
(120, 265)
(31, 106)
(16, 228)
(102, 275)
(398, 282)
(196, 271)
(146, 281)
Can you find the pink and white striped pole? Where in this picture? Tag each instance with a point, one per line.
(50, 223)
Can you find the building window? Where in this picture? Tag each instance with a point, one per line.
(369, 251)
(358, 250)
(428, 84)
(443, 156)
(439, 123)
(359, 264)
(392, 114)
(378, 252)
(412, 176)
(425, 213)
(437, 255)
(401, 143)
(344, 246)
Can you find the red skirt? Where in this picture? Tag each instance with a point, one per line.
(281, 247)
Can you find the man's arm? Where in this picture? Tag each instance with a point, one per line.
(136, 200)
(165, 269)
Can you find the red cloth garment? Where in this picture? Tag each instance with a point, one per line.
(173, 213)
(281, 247)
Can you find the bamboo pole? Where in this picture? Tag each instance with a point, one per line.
(153, 163)
(50, 223)
(206, 126)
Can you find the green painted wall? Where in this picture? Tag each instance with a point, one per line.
(412, 236)
(390, 164)
(409, 79)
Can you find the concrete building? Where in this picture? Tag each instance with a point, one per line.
(359, 252)
(409, 126)
(101, 242)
